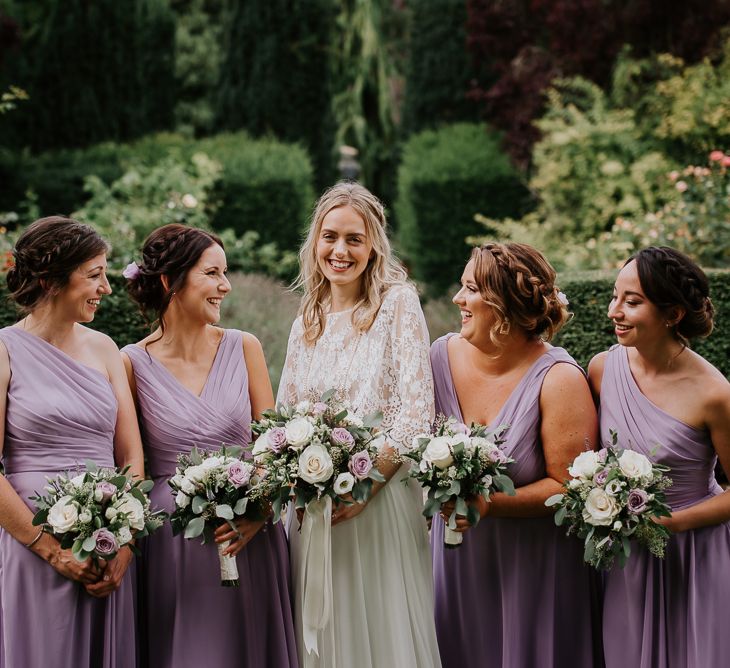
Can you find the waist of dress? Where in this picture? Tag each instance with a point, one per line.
(71, 465)
(677, 499)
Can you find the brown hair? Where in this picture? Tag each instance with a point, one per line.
(171, 251)
(668, 279)
(45, 256)
(519, 284)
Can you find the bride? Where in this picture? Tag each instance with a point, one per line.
(361, 330)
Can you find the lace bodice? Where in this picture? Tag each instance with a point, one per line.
(385, 369)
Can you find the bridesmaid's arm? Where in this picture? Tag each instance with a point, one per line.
(595, 375)
(716, 509)
(17, 519)
(569, 426)
(262, 397)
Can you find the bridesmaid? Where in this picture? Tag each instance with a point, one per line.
(516, 593)
(198, 385)
(64, 400)
(673, 406)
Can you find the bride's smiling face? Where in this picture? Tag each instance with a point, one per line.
(343, 246)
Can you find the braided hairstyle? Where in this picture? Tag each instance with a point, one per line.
(171, 251)
(669, 279)
(519, 284)
(46, 255)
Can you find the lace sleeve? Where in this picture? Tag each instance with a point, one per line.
(287, 393)
(409, 384)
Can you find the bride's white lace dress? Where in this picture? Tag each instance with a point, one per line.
(381, 565)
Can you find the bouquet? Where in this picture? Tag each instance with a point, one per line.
(97, 512)
(315, 450)
(211, 487)
(611, 498)
(456, 462)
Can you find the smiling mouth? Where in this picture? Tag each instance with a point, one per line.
(216, 301)
(622, 328)
(465, 315)
(339, 265)
(93, 302)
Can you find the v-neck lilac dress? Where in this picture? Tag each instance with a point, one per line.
(516, 594)
(191, 620)
(59, 414)
(670, 613)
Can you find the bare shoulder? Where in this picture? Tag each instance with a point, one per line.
(710, 384)
(100, 343)
(562, 377)
(595, 371)
(251, 344)
(4, 362)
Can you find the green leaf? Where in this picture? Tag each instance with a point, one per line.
(276, 508)
(195, 527)
(89, 544)
(504, 484)
(240, 507)
(224, 511)
(626, 545)
(91, 466)
(137, 494)
(373, 420)
(119, 481)
(40, 517)
(589, 551)
(328, 395)
(340, 416)
(146, 486)
(472, 515)
(199, 504)
(460, 506)
(195, 457)
(432, 506)
(554, 500)
(376, 475)
(559, 516)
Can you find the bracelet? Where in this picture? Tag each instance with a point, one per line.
(35, 540)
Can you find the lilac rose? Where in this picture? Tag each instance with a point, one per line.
(602, 454)
(239, 473)
(600, 477)
(106, 543)
(277, 439)
(496, 456)
(637, 501)
(319, 408)
(460, 428)
(360, 465)
(340, 436)
(104, 491)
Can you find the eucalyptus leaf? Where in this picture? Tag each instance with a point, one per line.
(199, 504)
(224, 511)
(89, 544)
(240, 507)
(146, 486)
(195, 527)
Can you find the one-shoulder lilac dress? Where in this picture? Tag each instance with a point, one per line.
(191, 620)
(670, 613)
(516, 594)
(59, 414)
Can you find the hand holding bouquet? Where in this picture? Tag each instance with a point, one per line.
(456, 462)
(211, 487)
(97, 512)
(316, 449)
(611, 498)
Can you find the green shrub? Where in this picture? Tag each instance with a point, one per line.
(446, 177)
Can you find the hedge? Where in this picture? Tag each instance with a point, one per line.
(446, 177)
(588, 333)
(266, 185)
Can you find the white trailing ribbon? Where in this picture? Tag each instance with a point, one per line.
(229, 568)
(315, 570)
(452, 538)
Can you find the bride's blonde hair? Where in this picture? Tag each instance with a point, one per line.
(382, 272)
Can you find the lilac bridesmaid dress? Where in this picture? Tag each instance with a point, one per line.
(190, 619)
(670, 613)
(516, 594)
(59, 414)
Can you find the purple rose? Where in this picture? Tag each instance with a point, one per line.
(602, 454)
(360, 465)
(104, 491)
(340, 436)
(496, 456)
(106, 543)
(600, 477)
(277, 439)
(460, 428)
(637, 501)
(239, 473)
(319, 408)
(131, 271)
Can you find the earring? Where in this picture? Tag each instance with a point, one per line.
(504, 328)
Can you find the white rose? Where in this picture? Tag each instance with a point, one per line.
(303, 407)
(585, 465)
(354, 420)
(344, 483)
(487, 480)
(378, 442)
(424, 466)
(211, 463)
(187, 486)
(84, 517)
(464, 440)
(111, 513)
(634, 464)
(176, 480)
(124, 535)
(63, 514)
(600, 508)
(78, 480)
(134, 511)
(438, 453)
(315, 464)
(574, 483)
(195, 473)
(182, 500)
(298, 432)
(617, 525)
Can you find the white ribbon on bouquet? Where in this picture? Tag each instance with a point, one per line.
(315, 571)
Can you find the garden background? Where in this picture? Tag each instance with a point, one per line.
(588, 128)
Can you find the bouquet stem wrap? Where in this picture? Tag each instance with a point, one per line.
(452, 538)
(315, 570)
(229, 568)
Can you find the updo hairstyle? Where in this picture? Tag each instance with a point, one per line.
(171, 251)
(519, 284)
(669, 279)
(45, 256)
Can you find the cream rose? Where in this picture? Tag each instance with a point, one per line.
(212, 462)
(315, 464)
(195, 473)
(63, 514)
(634, 465)
(299, 431)
(584, 465)
(464, 440)
(124, 535)
(182, 500)
(600, 508)
(438, 452)
(133, 509)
